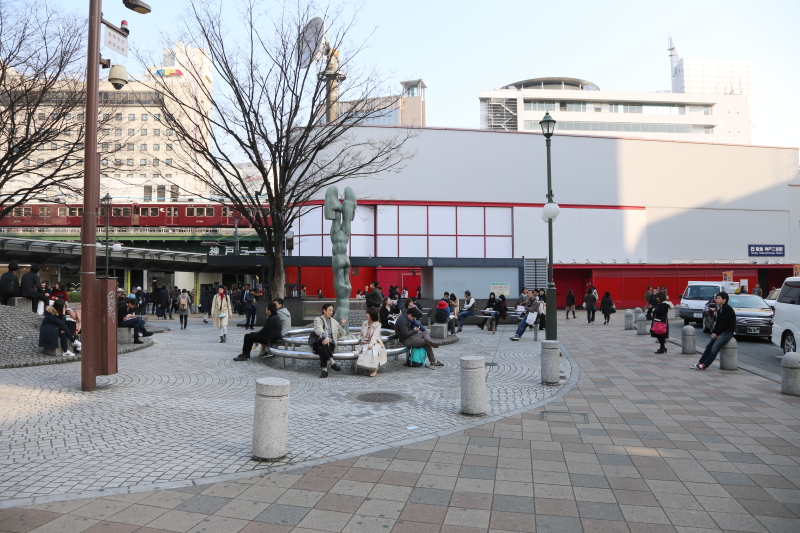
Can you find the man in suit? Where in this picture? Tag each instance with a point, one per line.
(249, 303)
(31, 287)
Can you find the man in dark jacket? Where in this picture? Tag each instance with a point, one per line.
(374, 298)
(9, 284)
(590, 304)
(724, 328)
(166, 302)
(249, 303)
(126, 319)
(269, 334)
(412, 337)
(31, 287)
(205, 304)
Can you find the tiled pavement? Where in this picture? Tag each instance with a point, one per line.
(642, 444)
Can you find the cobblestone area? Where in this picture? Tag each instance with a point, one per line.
(183, 410)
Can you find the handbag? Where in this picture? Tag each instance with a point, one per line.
(531, 319)
(613, 309)
(658, 328)
(368, 359)
(222, 315)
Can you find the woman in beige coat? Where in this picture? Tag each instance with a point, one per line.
(371, 338)
(221, 306)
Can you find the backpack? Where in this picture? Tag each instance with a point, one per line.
(184, 302)
(417, 357)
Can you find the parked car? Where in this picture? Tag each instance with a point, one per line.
(772, 297)
(754, 316)
(696, 295)
(786, 329)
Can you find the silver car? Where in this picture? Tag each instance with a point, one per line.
(754, 316)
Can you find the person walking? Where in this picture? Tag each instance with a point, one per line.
(31, 287)
(469, 310)
(205, 304)
(659, 327)
(724, 328)
(570, 304)
(269, 334)
(249, 303)
(184, 302)
(326, 334)
(607, 307)
(166, 303)
(371, 339)
(221, 310)
(9, 284)
(590, 304)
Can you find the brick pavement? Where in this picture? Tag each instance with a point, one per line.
(642, 444)
(182, 410)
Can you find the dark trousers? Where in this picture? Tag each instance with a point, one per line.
(324, 351)
(542, 321)
(590, 314)
(65, 335)
(714, 346)
(252, 338)
(250, 318)
(35, 299)
(136, 323)
(184, 319)
(607, 317)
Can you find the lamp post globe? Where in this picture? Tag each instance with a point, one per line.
(548, 125)
(551, 211)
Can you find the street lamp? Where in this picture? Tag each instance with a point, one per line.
(90, 298)
(549, 214)
(106, 201)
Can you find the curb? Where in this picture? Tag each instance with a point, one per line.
(744, 366)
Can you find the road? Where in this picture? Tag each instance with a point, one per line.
(753, 351)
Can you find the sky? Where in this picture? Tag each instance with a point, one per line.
(461, 47)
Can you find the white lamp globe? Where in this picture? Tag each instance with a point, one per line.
(116, 247)
(550, 211)
(544, 218)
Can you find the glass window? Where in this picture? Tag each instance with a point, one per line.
(626, 127)
(118, 132)
(130, 162)
(62, 211)
(670, 128)
(144, 116)
(76, 211)
(209, 211)
(80, 116)
(104, 147)
(143, 147)
(190, 211)
(131, 132)
(143, 162)
(529, 124)
(131, 117)
(104, 162)
(161, 192)
(118, 116)
(790, 293)
(157, 132)
(153, 211)
(116, 211)
(144, 132)
(157, 116)
(130, 147)
(168, 162)
(155, 162)
(130, 176)
(44, 211)
(169, 132)
(156, 147)
(126, 211)
(173, 189)
(106, 131)
(106, 116)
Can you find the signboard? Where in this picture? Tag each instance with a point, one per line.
(727, 276)
(760, 250)
(169, 72)
(114, 41)
(500, 288)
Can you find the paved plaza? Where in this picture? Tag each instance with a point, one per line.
(183, 410)
(640, 444)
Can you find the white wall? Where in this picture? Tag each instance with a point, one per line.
(475, 279)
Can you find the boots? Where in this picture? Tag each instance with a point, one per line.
(225, 338)
(221, 339)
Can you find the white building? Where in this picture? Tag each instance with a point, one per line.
(708, 98)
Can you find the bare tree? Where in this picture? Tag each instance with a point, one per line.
(268, 111)
(42, 102)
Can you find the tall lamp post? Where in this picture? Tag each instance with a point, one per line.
(106, 201)
(549, 214)
(90, 297)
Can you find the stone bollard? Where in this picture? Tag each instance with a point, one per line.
(790, 374)
(641, 325)
(473, 385)
(688, 340)
(271, 418)
(629, 319)
(550, 371)
(636, 312)
(729, 356)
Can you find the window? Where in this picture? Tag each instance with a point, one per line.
(126, 211)
(117, 176)
(173, 189)
(155, 162)
(169, 147)
(209, 211)
(53, 146)
(129, 176)
(143, 147)
(226, 211)
(156, 147)
(80, 116)
(143, 162)
(190, 212)
(106, 116)
(144, 116)
(161, 193)
(530, 124)
(157, 132)
(17, 211)
(106, 131)
(540, 106)
(44, 211)
(41, 116)
(142, 176)
(169, 132)
(144, 132)
(157, 116)
(118, 116)
(131, 132)
(153, 211)
(40, 161)
(76, 211)
(130, 162)
(105, 147)
(68, 132)
(118, 132)
(130, 147)
(131, 117)
(576, 106)
(62, 211)
(116, 211)
(168, 162)
(27, 162)
(790, 293)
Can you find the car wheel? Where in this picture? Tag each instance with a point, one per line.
(789, 343)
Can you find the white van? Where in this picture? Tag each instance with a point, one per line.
(697, 294)
(786, 329)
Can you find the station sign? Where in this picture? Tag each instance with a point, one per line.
(169, 72)
(761, 250)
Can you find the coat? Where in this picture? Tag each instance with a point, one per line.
(570, 299)
(164, 300)
(188, 304)
(661, 313)
(221, 306)
(321, 329)
(30, 286)
(374, 298)
(286, 319)
(606, 305)
(383, 314)
(590, 302)
(271, 329)
(51, 325)
(375, 340)
(205, 301)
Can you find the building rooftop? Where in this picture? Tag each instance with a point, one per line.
(568, 84)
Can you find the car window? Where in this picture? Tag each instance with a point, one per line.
(747, 302)
(700, 292)
(773, 295)
(789, 293)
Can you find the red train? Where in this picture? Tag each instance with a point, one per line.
(156, 214)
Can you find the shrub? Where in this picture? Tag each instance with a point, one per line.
(74, 297)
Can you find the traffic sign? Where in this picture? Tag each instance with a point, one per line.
(114, 41)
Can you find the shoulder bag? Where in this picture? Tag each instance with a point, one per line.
(658, 328)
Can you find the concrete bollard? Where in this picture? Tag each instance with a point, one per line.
(271, 418)
(636, 312)
(629, 319)
(550, 371)
(729, 356)
(688, 340)
(641, 325)
(790, 374)
(473, 385)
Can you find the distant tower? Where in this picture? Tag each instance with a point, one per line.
(674, 58)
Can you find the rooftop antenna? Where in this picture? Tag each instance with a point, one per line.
(312, 46)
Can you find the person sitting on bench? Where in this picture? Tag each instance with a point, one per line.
(54, 328)
(126, 318)
(269, 334)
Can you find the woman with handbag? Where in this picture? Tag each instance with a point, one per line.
(607, 307)
(660, 327)
(323, 339)
(221, 309)
(373, 352)
(387, 315)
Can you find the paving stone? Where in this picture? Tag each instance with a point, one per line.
(558, 524)
(287, 515)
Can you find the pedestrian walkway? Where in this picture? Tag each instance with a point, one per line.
(641, 444)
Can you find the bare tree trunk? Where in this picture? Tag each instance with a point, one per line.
(276, 277)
